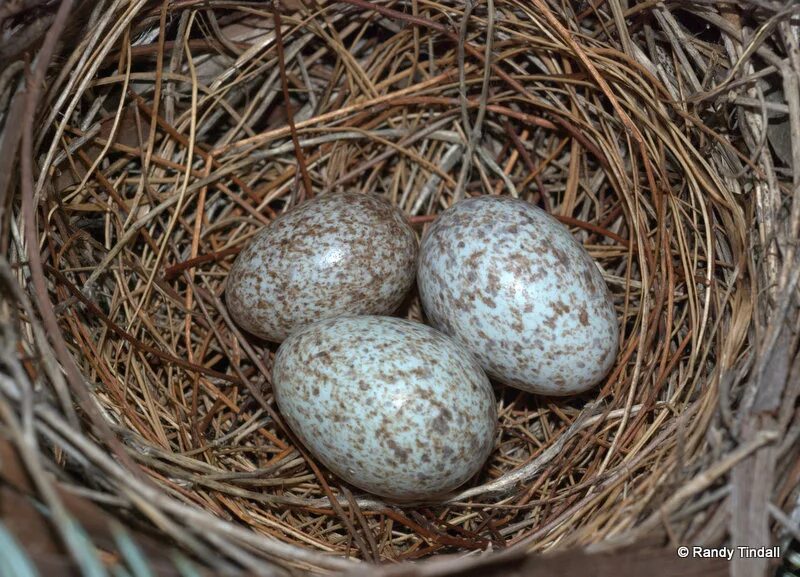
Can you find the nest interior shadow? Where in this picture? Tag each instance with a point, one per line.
(176, 132)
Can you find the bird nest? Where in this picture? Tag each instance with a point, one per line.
(165, 135)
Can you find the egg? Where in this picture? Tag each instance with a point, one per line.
(334, 255)
(511, 284)
(389, 405)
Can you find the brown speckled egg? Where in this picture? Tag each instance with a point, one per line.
(512, 285)
(334, 255)
(391, 406)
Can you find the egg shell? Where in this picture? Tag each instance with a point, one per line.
(389, 405)
(511, 284)
(334, 255)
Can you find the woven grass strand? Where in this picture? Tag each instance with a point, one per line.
(162, 143)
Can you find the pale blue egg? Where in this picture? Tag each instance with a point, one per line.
(334, 255)
(512, 285)
(392, 406)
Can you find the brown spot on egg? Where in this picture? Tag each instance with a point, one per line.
(441, 423)
(400, 453)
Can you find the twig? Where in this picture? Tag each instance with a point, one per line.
(301, 162)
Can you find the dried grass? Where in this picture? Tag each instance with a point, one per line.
(172, 133)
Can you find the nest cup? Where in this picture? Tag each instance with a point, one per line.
(173, 132)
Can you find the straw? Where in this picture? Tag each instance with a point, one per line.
(167, 134)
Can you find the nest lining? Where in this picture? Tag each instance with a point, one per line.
(178, 133)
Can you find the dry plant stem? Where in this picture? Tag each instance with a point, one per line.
(27, 447)
(44, 305)
(9, 143)
(148, 202)
(703, 481)
(467, 159)
(753, 479)
(301, 162)
(129, 338)
(184, 184)
(200, 520)
(250, 386)
(337, 507)
(51, 368)
(198, 226)
(526, 473)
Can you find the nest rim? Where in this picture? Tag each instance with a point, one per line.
(707, 321)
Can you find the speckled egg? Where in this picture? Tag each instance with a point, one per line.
(391, 406)
(337, 254)
(512, 285)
